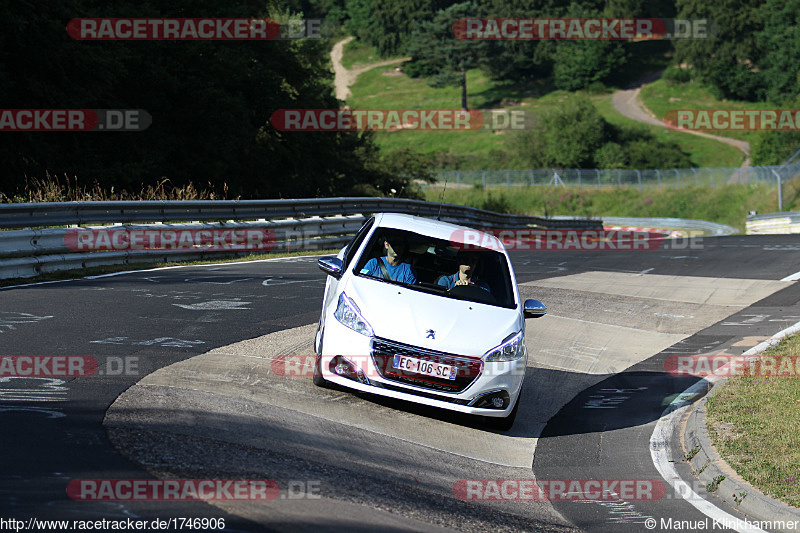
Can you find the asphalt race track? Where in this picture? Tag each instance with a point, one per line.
(200, 374)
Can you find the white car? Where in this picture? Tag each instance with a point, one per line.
(425, 311)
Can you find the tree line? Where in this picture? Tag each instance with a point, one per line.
(210, 103)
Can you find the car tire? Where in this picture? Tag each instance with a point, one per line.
(317, 378)
(503, 424)
(316, 336)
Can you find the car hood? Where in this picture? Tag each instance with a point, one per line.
(407, 316)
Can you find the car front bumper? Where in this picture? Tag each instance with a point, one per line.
(341, 341)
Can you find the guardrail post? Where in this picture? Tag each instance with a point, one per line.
(711, 176)
(508, 178)
(458, 177)
(695, 175)
(579, 179)
(619, 177)
(678, 174)
(483, 178)
(531, 176)
(658, 175)
(598, 177)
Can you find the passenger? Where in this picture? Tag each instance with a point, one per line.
(467, 264)
(392, 266)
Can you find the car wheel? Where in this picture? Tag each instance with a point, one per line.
(316, 337)
(317, 378)
(503, 424)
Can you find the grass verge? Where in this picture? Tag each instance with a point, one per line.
(110, 269)
(727, 204)
(754, 422)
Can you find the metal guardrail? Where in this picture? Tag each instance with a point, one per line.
(308, 224)
(81, 213)
(773, 223)
(699, 227)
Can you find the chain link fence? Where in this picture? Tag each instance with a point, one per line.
(674, 177)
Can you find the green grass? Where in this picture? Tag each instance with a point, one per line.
(702, 151)
(376, 90)
(385, 88)
(727, 204)
(762, 421)
(109, 269)
(662, 96)
(357, 54)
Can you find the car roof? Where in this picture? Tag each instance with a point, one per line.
(437, 229)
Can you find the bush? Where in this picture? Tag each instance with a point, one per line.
(675, 75)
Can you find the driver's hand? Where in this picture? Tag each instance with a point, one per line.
(463, 282)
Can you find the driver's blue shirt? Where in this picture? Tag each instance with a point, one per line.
(402, 272)
(450, 282)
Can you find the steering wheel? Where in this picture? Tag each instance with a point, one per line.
(474, 293)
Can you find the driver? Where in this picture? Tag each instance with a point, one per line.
(467, 263)
(392, 266)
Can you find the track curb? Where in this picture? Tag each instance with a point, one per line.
(707, 465)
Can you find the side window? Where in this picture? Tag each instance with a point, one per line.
(352, 248)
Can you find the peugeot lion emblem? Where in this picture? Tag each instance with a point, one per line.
(431, 334)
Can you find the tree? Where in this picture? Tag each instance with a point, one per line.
(729, 58)
(210, 102)
(437, 54)
(780, 42)
(388, 26)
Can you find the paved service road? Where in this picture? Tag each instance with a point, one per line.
(207, 393)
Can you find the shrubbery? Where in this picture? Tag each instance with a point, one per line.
(574, 135)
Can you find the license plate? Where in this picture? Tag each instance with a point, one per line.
(426, 368)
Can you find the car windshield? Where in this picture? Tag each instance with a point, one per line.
(437, 266)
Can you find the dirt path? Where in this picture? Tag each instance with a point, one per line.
(628, 103)
(344, 78)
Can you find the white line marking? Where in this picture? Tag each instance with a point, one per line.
(234, 263)
(659, 442)
(793, 277)
(600, 323)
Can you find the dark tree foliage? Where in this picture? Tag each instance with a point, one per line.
(728, 59)
(779, 42)
(389, 25)
(210, 103)
(443, 59)
(575, 135)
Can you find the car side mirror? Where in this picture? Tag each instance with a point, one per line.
(534, 309)
(332, 266)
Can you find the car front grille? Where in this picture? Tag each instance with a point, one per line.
(468, 368)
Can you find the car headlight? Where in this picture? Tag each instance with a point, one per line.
(513, 348)
(348, 313)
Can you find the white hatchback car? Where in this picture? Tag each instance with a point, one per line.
(425, 311)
